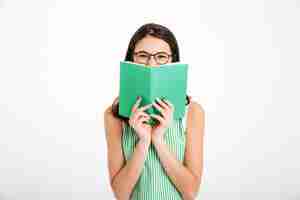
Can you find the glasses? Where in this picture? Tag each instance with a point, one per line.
(160, 58)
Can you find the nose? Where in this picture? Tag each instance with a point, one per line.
(152, 62)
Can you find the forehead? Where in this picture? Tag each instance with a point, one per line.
(152, 45)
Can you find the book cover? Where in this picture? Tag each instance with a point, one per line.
(167, 81)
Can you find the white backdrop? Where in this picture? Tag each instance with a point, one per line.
(59, 71)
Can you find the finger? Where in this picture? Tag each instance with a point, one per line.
(169, 104)
(159, 108)
(162, 103)
(136, 105)
(145, 107)
(138, 114)
(142, 119)
(135, 115)
(158, 117)
(141, 115)
(139, 119)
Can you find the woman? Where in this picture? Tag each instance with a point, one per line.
(160, 162)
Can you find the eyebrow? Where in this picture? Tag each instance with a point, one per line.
(142, 51)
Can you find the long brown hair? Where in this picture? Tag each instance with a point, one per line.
(157, 31)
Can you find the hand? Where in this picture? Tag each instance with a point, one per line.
(166, 108)
(137, 119)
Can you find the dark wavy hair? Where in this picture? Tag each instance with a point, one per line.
(160, 32)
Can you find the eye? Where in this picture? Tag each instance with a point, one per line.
(162, 56)
(142, 55)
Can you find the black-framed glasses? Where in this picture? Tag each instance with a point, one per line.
(160, 58)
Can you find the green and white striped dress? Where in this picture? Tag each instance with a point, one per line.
(154, 183)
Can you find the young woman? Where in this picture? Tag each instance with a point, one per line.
(163, 162)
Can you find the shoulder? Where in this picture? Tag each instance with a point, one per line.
(195, 115)
(195, 109)
(112, 124)
(108, 114)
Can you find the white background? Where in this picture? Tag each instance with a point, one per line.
(59, 71)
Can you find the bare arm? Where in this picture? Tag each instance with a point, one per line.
(123, 177)
(187, 177)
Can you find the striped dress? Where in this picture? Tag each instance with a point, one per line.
(154, 183)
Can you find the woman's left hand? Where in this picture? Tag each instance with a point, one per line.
(166, 108)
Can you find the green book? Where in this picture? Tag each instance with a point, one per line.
(168, 81)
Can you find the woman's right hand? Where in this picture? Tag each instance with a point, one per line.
(137, 119)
